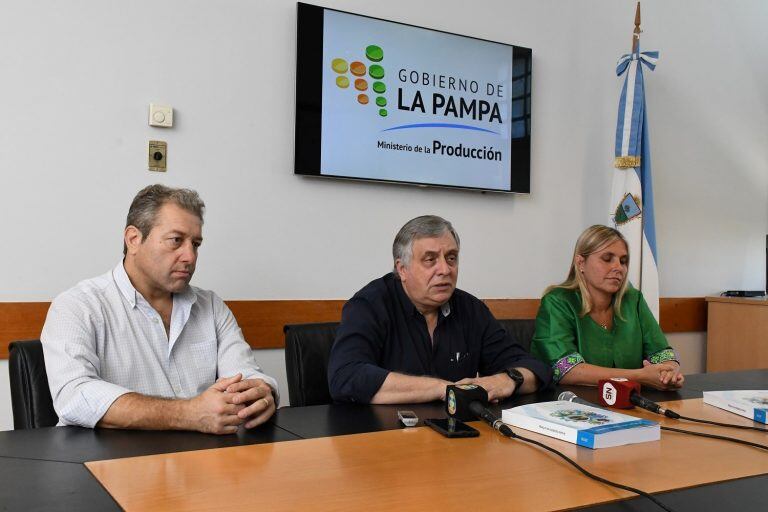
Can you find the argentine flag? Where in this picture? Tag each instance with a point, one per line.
(631, 207)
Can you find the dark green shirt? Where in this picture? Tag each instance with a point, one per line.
(564, 338)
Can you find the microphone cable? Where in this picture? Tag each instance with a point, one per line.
(719, 424)
(715, 436)
(652, 406)
(507, 432)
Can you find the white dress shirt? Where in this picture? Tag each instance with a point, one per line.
(102, 339)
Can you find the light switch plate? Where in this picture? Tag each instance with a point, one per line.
(160, 115)
(158, 155)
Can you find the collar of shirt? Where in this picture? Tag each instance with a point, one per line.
(182, 304)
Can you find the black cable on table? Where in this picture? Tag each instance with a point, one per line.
(715, 436)
(719, 424)
(584, 471)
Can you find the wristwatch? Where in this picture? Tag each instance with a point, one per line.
(516, 376)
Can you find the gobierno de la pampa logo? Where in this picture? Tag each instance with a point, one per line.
(361, 75)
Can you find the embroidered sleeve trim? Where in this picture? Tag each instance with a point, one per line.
(565, 364)
(668, 354)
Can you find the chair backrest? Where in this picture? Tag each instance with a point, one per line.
(521, 331)
(307, 350)
(30, 396)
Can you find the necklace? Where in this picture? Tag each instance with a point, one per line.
(604, 324)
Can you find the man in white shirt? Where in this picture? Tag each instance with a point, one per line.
(139, 348)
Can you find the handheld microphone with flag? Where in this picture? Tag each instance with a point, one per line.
(616, 392)
(624, 394)
(458, 397)
(467, 402)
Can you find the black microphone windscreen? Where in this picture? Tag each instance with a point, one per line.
(458, 398)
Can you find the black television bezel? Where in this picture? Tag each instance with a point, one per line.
(309, 105)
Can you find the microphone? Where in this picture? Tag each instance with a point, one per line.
(458, 397)
(570, 396)
(624, 394)
(491, 419)
(652, 406)
(467, 402)
(616, 392)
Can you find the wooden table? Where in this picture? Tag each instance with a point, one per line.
(737, 333)
(42, 469)
(417, 469)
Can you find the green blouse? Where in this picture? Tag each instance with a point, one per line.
(564, 338)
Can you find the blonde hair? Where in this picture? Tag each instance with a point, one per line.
(593, 239)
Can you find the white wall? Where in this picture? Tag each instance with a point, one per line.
(78, 77)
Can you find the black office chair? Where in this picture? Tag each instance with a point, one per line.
(521, 331)
(30, 396)
(307, 349)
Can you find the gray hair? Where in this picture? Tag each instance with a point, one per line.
(143, 211)
(426, 226)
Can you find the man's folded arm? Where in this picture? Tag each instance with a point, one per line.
(234, 354)
(141, 412)
(408, 389)
(368, 383)
(211, 411)
(354, 374)
(79, 395)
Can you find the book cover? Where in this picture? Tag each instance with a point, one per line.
(583, 425)
(751, 403)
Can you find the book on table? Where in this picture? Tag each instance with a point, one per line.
(583, 425)
(750, 403)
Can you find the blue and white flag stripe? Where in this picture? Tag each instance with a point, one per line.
(632, 102)
(633, 176)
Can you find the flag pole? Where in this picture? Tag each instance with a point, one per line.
(636, 32)
(635, 48)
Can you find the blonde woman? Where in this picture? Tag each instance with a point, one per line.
(595, 325)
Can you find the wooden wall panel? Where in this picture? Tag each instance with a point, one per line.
(685, 314)
(20, 321)
(513, 308)
(262, 320)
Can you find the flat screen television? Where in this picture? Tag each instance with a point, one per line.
(390, 102)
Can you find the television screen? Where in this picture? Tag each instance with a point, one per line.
(385, 101)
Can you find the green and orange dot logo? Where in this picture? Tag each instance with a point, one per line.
(342, 82)
(361, 74)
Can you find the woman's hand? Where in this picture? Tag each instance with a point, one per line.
(663, 376)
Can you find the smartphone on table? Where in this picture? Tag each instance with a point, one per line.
(451, 427)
